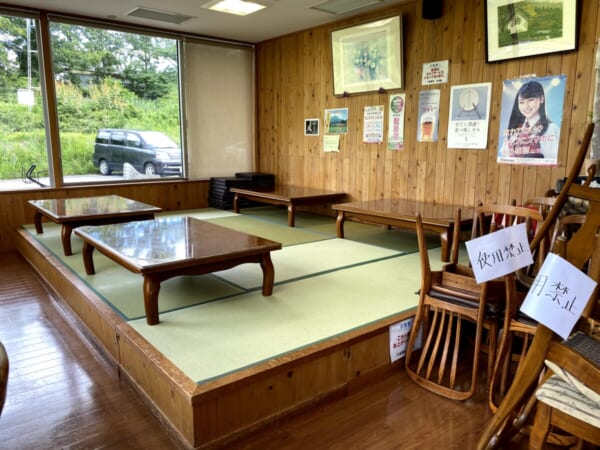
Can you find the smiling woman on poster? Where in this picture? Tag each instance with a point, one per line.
(529, 136)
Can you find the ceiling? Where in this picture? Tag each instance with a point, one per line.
(279, 18)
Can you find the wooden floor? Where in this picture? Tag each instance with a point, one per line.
(63, 394)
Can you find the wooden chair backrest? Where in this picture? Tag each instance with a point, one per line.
(501, 427)
(3, 375)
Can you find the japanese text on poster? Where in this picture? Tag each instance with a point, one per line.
(469, 116)
(373, 124)
(399, 334)
(435, 73)
(530, 120)
(429, 107)
(395, 139)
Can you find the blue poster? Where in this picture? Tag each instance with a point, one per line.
(530, 120)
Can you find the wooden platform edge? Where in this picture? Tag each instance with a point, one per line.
(219, 411)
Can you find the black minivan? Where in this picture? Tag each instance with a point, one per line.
(150, 152)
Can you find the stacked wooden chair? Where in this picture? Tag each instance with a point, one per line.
(452, 305)
(3, 375)
(573, 364)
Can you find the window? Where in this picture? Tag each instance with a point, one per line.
(23, 152)
(113, 79)
(118, 89)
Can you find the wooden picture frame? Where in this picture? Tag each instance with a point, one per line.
(518, 29)
(367, 57)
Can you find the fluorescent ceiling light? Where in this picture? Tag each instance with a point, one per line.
(238, 7)
(155, 14)
(342, 6)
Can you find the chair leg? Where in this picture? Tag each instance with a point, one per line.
(541, 427)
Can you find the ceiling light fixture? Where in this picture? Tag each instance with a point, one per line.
(237, 7)
(342, 6)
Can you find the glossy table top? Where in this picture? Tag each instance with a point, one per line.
(290, 192)
(407, 209)
(62, 209)
(170, 242)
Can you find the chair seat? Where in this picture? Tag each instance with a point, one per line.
(454, 285)
(566, 397)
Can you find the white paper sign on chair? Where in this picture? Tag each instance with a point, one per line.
(558, 295)
(499, 253)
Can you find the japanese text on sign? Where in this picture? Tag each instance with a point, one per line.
(558, 295)
(496, 254)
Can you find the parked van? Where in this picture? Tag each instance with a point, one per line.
(150, 152)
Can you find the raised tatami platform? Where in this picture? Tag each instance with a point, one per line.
(224, 359)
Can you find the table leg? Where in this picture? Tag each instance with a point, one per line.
(151, 289)
(291, 215)
(236, 203)
(339, 224)
(37, 220)
(268, 274)
(88, 260)
(66, 239)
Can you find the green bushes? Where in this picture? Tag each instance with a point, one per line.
(81, 113)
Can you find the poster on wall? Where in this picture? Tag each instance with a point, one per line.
(427, 122)
(395, 139)
(469, 116)
(336, 121)
(530, 119)
(435, 73)
(373, 124)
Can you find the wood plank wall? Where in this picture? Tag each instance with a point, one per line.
(172, 195)
(294, 82)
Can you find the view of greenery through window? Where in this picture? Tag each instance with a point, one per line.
(103, 79)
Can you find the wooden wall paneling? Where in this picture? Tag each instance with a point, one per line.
(589, 22)
(460, 175)
(458, 42)
(389, 157)
(554, 66)
(517, 178)
(575, 112)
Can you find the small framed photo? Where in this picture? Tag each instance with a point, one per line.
(517, 29)
(311, 127)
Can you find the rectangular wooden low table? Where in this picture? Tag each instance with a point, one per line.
(171, 246)
(290, 196)
(75, 212)
(400, 213)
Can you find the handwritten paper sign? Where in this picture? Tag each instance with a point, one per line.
(499, 253)
(558, 295)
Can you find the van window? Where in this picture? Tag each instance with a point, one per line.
(117, 138)
(133, 140)
(102, 137)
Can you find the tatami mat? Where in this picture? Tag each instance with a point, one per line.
(215, 324)
(269, 230)
(300, 261)
(249, 328)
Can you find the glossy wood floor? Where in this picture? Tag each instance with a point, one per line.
(63, 394)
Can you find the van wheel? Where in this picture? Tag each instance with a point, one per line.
(149, 169)
(104, 167)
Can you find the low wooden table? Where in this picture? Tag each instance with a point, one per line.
(76, 212)
(399, 213)
(290, 196)
(171, 246)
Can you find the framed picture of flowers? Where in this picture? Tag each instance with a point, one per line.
(367, 57)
